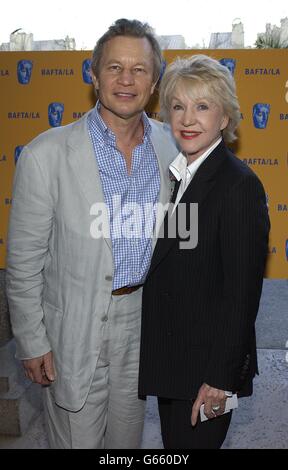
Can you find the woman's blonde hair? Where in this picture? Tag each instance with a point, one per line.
(202, 77)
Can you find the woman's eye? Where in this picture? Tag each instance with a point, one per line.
(202, 107)
(177, 107)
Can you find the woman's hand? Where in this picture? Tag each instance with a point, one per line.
(214, 402)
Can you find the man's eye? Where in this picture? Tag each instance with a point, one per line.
(114, 67)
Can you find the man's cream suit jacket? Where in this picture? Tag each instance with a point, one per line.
(59, 278)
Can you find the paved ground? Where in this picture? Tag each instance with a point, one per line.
(261, 421)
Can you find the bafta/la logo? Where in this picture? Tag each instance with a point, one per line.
(86, 71)
(229, 63)
(17, 152)
(55, 114)
(24, 71)
(261, 113)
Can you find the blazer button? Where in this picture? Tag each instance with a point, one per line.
(108, 278)
(104, 318)
(169, 333)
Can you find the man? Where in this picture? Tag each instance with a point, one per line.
(75, 297)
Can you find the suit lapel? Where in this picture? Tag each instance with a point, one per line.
(197, 191)
(84, 165)
(159, 142)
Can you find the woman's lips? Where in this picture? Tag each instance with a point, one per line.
(189, 135)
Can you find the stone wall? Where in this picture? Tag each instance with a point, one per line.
(20, 400)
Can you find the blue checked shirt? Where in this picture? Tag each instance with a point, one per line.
(130, 199)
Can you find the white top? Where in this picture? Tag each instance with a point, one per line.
(185, 173)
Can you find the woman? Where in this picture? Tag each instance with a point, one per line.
(200, 304)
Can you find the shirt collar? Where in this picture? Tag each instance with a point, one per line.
(146, 125)
(179, 166)
(107, 133)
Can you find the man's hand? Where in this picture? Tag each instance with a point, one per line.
(212, 398)
(41, 369)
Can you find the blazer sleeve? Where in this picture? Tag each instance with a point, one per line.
(30, 226)
(244, 230)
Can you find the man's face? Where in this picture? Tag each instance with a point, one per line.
(125, 81)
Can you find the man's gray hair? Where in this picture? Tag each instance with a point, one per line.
(130, 28)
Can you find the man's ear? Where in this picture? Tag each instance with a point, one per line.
(95, 81)
(153, 88)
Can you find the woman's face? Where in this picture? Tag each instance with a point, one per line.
(196, 123)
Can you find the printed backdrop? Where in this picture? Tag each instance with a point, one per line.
(39, 90)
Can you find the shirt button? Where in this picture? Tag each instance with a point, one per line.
(108, 278)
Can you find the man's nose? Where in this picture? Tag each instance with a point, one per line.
(126, 77)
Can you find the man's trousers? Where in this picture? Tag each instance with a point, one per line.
(112, 416)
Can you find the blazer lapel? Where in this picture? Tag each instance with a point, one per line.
(83, 162)
(159, 142)
(197, 191)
